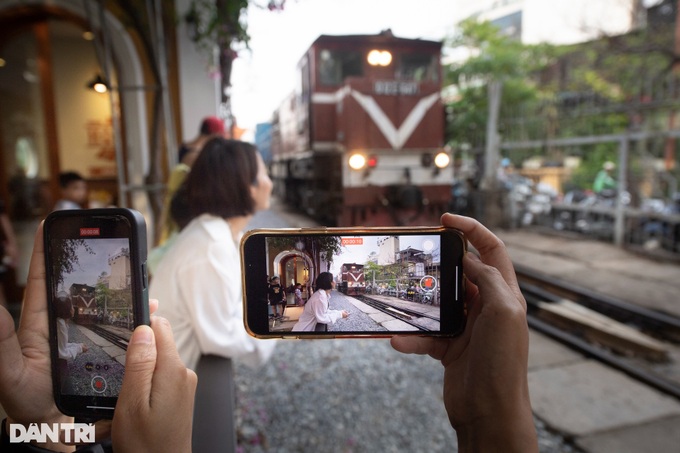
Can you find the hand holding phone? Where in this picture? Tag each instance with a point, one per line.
(491, 411)
(95, 263)
(358, 282)
(25, 374)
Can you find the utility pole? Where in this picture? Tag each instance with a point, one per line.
(669, 150)
(490, 191)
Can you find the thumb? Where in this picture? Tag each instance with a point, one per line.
(11, 358)
(140, 362)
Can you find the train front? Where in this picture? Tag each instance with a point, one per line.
(369, 133)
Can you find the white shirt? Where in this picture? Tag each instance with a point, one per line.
(316, 311)
(198, 287)
(66, 350)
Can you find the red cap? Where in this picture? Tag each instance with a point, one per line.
(212, 125)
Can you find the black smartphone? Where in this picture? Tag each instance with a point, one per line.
(353, 282)
(97, 293)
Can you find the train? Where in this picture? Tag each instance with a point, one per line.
(360, 141)
(352, 280)
(84, 302)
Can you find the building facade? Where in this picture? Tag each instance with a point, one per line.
(122, 135)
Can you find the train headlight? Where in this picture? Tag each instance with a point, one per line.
(442, 160)
(379, 58)
(357, 161)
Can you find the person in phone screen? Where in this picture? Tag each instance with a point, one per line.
(316, 315)
(277, 297)
(67, 351)
(298, 295)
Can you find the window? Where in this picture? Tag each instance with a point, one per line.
(419, 67)
(335, 66)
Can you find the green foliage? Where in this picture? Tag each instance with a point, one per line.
(326, 246)
(493, 57)
(102, 294)
(217, 23)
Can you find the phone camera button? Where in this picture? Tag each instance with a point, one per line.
(98, 384)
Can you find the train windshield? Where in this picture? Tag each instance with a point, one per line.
(419, 67)
(335, 66)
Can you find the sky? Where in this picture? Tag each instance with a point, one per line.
(265, 75)
(360, 253)
(90, 266)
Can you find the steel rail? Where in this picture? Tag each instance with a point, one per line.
(553, 289)
(113, 337)
(390, 310)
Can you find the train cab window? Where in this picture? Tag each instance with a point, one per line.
(419, 67)
(335, 66)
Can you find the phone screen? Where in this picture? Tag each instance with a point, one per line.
(381, 283)
(97, 296)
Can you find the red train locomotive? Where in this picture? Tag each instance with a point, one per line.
(360, 141)
(352, 279)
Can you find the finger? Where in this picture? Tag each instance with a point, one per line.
(153, 306)
(11, 358)
(34, 308)
(169, 363)
(491, 249)
(33, 323)
(434, 347)
(491, 285)
(165, 342)
(140, 362)
(168, 357)
(102, 431)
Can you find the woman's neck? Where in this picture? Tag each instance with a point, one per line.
(237, 225)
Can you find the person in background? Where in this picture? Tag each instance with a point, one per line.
(9, 251)
(73, 191)
(188, 152)
(604, 182)
(199, 281)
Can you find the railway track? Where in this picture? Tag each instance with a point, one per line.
(552, 289)
(113, 337)
(539, 289)
(404, 314)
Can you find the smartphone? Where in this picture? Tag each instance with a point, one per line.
(382, 282)
(97, 293)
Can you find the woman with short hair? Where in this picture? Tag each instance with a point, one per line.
(199, 281)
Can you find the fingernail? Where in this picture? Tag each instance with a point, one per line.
(142, 335)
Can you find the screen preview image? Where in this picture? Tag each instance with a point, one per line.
(385, 283)
(91, 281)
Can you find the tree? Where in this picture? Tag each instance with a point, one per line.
(219, 24)
(64, 255)
(493, 56)
(611, 85)
(318, 248)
